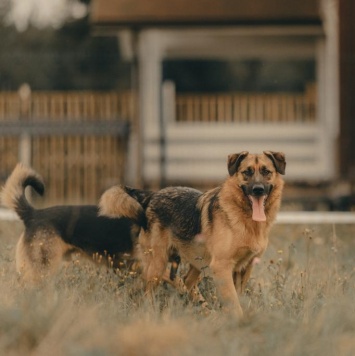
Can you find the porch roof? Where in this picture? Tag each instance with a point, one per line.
(159, 13)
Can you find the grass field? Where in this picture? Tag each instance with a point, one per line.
(300, 301)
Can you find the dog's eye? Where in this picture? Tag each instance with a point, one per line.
(248, 172)
(265, 172)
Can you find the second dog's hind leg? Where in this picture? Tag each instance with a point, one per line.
(154, 254)
(39, 255)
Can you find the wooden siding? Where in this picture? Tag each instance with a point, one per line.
(196, 153)
(76, 162)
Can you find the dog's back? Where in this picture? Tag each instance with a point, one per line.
(80, 226)
(177, 208)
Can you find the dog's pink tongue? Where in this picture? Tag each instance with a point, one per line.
(258, 208)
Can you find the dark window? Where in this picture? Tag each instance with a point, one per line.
(247, 75)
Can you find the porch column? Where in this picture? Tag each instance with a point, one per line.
(150, 79)
(347, 88)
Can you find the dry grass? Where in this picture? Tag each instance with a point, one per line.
(300, 301)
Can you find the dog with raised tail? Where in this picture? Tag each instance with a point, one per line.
(53, 233)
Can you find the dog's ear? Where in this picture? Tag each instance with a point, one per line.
(278, 158)
(234, 161)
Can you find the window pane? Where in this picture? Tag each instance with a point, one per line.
(251, 75)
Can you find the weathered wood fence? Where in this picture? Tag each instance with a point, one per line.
(75, 140)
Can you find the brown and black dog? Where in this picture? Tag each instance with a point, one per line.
(220, 231)
(53, 233)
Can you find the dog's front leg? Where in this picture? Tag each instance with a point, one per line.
(241, 278)
(222, 271)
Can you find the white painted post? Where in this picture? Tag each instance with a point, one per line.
(169, 105)
(25, 148)
(25, 144)
(150, 78)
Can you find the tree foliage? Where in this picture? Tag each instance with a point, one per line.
(69, 58)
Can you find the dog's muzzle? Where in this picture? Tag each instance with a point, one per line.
(257, 194)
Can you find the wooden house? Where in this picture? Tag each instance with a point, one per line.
(186, 138)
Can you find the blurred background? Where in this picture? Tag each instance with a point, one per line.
(154, 93)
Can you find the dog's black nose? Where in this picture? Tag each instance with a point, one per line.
(258, 189)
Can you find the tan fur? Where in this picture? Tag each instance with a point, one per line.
(234, 239)
(45, 253)
(227, 245)
(12, 190)
(114, 202)
(41, 258)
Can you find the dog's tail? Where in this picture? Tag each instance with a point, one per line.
(123, 201)
(13, 193)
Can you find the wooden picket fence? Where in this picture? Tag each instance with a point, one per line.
(76, 165)
(66, 106)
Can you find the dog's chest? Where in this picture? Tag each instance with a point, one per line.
(244, 257)
(239, 245)
(251, 245)
(256, 242)
(251, 241)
